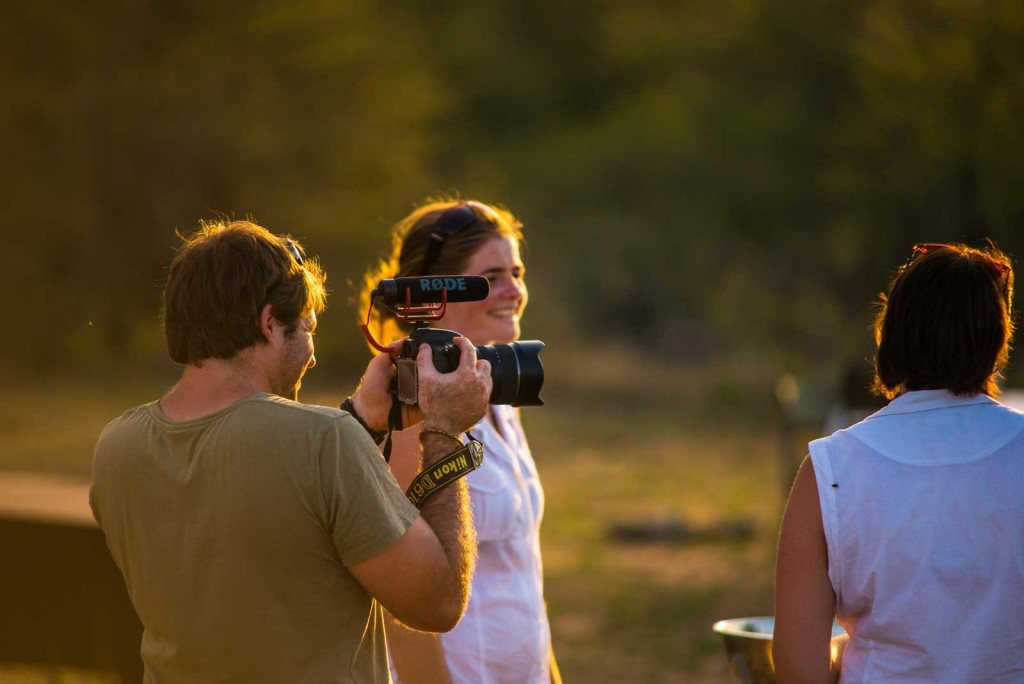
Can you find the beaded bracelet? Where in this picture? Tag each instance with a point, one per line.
(436, 431)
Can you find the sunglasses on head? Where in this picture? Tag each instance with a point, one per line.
(919, 249)
(450, 223)
(928, 247)
(293, 249)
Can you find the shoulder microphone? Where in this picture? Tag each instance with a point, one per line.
(429, 289)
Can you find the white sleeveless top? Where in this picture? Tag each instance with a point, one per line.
(923, 510)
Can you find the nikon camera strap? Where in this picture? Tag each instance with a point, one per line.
(457, 464)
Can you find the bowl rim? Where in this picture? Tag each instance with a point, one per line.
(731, 627)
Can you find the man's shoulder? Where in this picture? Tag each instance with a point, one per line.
(257, 414)
(267, 410)
(278, 408)
(121, 437)
(333, 431)
(264, 409)
(129, 420)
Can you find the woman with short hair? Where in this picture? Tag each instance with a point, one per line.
(908, 527)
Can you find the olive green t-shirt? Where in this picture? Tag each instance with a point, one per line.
(234, 532)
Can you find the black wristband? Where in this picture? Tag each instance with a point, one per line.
(376, 435)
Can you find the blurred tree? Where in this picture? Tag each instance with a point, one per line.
(128, 120)
(733, 179)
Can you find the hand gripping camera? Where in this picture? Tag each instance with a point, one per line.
(516, 368)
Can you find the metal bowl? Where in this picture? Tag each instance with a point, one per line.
(748, 645)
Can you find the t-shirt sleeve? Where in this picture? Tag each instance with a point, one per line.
(364, 508)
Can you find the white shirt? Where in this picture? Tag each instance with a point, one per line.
(923, 509)
(504, 637)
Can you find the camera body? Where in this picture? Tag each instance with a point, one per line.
(516, 369)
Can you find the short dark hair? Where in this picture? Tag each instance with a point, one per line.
(946, 322)
(222, 277)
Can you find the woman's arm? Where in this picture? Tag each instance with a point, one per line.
(805, 603)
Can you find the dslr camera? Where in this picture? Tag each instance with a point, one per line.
(516, 369)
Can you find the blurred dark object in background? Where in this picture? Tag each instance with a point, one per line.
(683, 531)
(64, 601)
(855, 401)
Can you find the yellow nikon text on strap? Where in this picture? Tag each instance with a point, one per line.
(457, 464)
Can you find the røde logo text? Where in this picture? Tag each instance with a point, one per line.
(438, 284)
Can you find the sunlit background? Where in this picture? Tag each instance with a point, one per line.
(713, 193)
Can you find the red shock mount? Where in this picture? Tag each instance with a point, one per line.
(406, 313)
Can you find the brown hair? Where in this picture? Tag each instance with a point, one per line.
(222, 277)
(946, 322)
(410, 241)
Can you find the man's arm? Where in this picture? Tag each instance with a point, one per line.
(805, 603)
(417, 657)
(423, 578)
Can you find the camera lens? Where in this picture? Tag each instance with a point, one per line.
(517, 372)
(516, 369)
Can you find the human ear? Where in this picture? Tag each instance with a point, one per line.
(267, 322)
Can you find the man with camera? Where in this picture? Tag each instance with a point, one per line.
(259, 537)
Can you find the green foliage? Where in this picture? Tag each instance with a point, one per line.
(736, 178)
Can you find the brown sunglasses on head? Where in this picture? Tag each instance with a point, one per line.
(922, 248)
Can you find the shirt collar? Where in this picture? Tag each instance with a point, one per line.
(929, 400)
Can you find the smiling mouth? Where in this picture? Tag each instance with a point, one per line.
(504, 313)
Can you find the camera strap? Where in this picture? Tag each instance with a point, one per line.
(459, 463)
(394, 423)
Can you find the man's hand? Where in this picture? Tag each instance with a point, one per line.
(456, 401)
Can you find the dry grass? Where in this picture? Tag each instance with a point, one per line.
(620, 611)
(643, 611)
